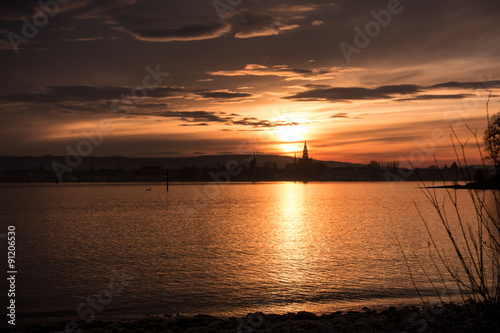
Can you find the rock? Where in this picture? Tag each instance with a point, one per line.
(215, 324)
(303, 315)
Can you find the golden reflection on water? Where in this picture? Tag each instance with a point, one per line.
(293, 255)
(278, 247)
(291, 233)
(291, 225)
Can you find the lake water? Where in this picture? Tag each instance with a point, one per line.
(219, 250)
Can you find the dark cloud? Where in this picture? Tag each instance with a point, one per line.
(340, 115)
(269, 21)
(289, 73)
(161, 92)
(95, 9)
(159, 21)
(345, 115)
(195, 116)
(58, 94)
(200, 124)
(432, 97)
(342, 94)
(346, 94)
(82, 39)
(316, 86)
(400, 89)
(82, 92)
(277, 18)
(468, 85)
(202, 118)
(254, 122)
(241, 23)
(222, 94)
(99, 99)
(63, 28)
(182, 33)
(15, 10)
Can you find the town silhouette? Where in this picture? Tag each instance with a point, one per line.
(247, 168)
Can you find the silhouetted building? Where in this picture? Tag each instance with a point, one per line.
(302, 168)
(301, 163)
(305, 153)
(305, 161)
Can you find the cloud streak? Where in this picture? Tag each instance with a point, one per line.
(96, 99)
(183, 33)
(222, 94)
(86, 93)
(286, 72)
(345, 94)
(389, 92)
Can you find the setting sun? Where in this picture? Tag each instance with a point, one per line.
(292, 137)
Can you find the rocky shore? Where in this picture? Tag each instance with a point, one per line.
(471, 317)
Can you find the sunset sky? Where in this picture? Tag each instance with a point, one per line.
(248, 76)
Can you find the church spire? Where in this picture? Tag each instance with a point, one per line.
(305, 153)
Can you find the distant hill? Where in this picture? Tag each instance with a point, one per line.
(129, 163)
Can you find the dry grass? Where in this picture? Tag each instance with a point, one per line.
(473, 264)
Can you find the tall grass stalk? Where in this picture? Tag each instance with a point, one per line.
(475, 243)
(472, 260)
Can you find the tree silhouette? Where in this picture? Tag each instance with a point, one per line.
(492, 140)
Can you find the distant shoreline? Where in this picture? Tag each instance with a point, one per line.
(471, 186)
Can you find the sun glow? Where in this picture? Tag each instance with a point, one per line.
(292, 136)
(290, 148)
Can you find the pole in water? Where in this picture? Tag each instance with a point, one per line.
(167, 180)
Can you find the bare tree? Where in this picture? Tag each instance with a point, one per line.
(492, 139)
